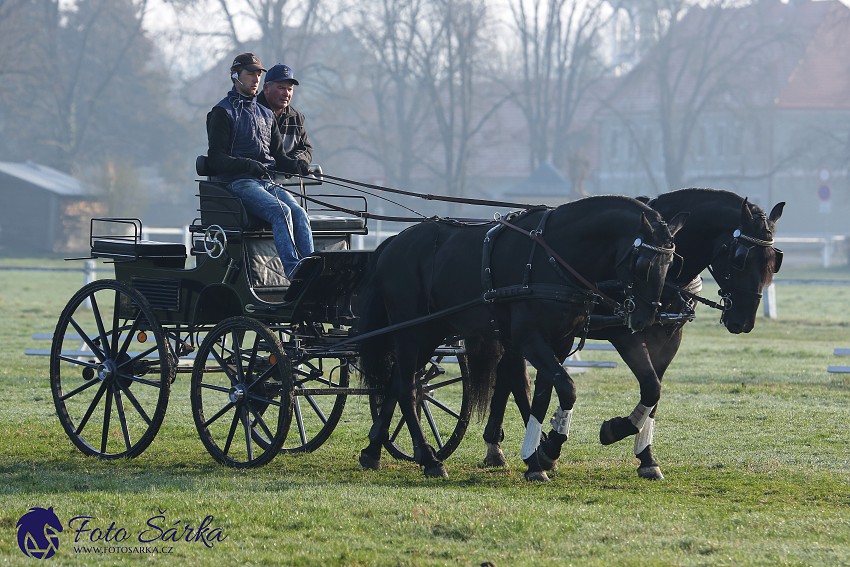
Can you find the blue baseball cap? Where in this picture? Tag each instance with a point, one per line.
(280, 73)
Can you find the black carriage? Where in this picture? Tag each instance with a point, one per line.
(271, 360)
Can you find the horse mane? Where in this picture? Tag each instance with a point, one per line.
(716, 200)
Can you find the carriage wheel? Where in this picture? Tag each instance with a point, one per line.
(111, 370)
(316, 414)
(241, 393)
(442, 406)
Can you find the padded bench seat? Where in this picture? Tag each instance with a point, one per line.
(328, 223)
(165, 253)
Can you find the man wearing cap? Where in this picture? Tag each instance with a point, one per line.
(245, 143)
(278, 88)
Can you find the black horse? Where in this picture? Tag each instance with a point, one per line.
(724, 233)
(524, 279)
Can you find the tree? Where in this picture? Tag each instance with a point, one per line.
(717, 59)
(559, 49)
(94, 91)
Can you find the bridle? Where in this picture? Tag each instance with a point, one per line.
(738, 252)
(639, 269)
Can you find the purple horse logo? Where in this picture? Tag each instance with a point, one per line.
(38, 533)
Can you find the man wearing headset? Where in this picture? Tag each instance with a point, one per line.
(245, 143)
(278, 89)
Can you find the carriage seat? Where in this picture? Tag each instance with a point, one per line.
(219, 206)
(163, 254)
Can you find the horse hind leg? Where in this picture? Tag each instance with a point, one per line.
(370, 457)
(511, 378)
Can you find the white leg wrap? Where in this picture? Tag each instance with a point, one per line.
(560, 421)
(644, 437)
(639, 415)
(532, 437)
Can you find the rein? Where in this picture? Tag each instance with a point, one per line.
(429, 197)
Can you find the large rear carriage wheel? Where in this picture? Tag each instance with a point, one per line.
(442, 405)
(241, 393)
(111, 370)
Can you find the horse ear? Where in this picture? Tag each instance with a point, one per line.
(645, 227)
(676, 223)
(746, 214)
(776, 212)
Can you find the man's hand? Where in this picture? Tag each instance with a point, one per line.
(258, 170)
(302, 168)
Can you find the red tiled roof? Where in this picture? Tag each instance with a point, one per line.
(822, 77)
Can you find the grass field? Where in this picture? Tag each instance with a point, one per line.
(752, 436)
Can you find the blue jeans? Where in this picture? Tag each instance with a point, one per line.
(290, 224)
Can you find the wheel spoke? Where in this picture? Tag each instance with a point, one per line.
(135, 403)
(139, 356)
(232, 432)
(88, 384)
(96, 350)
(141, 380)
(129, 338)
(442, 406)
(246, 426)
(119, 406)
(92, 407)
(398, 427)
(432, 425)
(104, 339)
(321, 415)
(220, 413)
(107, 416)
(299, 420)
(431, 387)
(258, 420)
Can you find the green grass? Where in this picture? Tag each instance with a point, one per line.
(751, 436)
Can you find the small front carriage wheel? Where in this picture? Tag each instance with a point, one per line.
(111, 370)
(241, 393)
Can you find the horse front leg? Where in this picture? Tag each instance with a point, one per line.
(662, 345)
(549, 374)
(647, 367)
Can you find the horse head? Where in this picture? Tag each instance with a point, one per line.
(744, 264)
(643, 267)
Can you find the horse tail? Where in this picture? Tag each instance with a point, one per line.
(482, 357)
(375, 353)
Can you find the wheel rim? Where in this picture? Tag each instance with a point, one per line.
(241, 393)
(110, 371)
(442, 406)
(316, 414)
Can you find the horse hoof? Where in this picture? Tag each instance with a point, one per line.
(495, 457)
(548, 463)
(650, 473)
(436, 471)
(536, 476)
(369, 463)
(606, 435)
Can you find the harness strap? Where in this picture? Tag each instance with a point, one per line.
(694, 296)
(554, 256)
